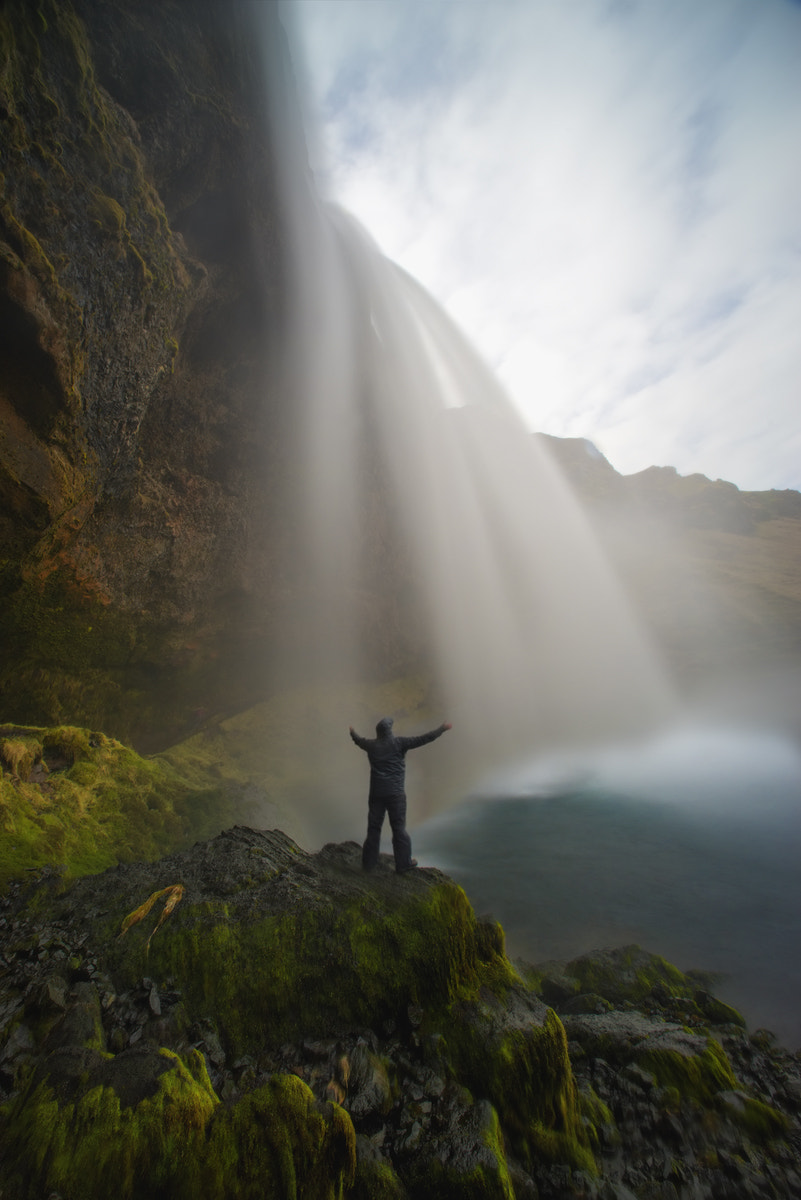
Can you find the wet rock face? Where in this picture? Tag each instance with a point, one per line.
(369, 1001)
(140, 272)
(385, 1019)
(686, 1103)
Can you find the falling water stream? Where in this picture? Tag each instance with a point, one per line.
(529, 641)
(427, 521)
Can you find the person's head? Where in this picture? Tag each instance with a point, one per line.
(384, 727)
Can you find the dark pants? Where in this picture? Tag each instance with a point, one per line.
(395, 808)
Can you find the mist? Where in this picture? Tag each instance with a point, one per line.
(435, 557)
(427, 535)
(431, 533)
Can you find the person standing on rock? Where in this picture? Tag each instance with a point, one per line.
(387, 755)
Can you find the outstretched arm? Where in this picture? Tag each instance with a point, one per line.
(360, 741)
(422, 739)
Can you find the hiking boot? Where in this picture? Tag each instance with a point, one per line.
(410, 867)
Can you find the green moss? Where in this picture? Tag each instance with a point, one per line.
(555, 1146)
(28, 246)
(525, 1073)
(273, 978)
(108, 214)
(593, 1108)
(493, 1140)
(276, 1141)
(596, 1115)
(697, 1077)
(74, 744)
(758, 1120)
(19, 754)
(179, 1142)
(486, 1179)
(96, 1147)
(531, 976)
(717, 1012)
(629, 974)
(376, 1180)
(110, 805)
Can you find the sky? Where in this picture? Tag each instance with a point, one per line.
(604, 194)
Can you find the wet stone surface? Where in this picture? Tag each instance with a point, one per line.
(654, 1137)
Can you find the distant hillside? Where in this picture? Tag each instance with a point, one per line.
(715, 572)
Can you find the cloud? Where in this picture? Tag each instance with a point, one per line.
(604, 196)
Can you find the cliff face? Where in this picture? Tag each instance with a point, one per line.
(140, 284)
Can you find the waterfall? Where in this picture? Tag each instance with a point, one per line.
(430, 530)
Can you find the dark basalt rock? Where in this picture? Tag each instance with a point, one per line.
(386, 1018)
(376, 993)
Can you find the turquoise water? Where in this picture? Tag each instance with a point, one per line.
(690, 847)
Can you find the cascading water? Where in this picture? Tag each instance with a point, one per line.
(425, 529)
(430, 528)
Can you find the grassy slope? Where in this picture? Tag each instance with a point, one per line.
(96, 803)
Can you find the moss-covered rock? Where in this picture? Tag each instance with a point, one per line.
(759, 1120)
(277, 1140)
(697, 1077)
(83, 801)
(625, 974)
(376, 1180)
(271, 947)
(470, 1164)
(288, 1022)
(629, 975)
(84, 1138)
(508, 1047)
(649, 1086)
(275, 943)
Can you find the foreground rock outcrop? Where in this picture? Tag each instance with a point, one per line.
(278, 1022)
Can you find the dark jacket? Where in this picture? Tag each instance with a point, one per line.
(387, 755)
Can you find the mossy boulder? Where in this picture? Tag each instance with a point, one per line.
(509, 1047)
(630, 975)
(445, 1171)
(274, 943)
(245, 1015)
(271, 948)
(627, 973)
(83, 1133)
